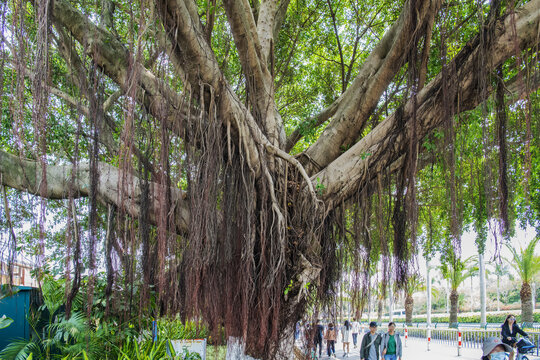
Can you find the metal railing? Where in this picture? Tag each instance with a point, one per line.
(470, 338)
(534, 326)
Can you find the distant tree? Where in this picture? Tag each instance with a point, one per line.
(456, 271)
(415, 283)
(527, 265)
(499, 269)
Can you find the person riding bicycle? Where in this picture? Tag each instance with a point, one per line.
(494, 349)
(509, 331)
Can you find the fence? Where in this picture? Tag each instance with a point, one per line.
(534, 326)
(470, 338)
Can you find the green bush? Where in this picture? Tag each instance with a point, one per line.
(97, 337)
(490, 318)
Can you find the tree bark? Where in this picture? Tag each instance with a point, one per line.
(526, 303)
(25, 175)
(380, 309)
(236, 350)
(454, 298)
(409, 306)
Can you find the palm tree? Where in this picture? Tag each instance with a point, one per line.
(527, 265)
(499, 269)
(456, 272)
(415, 283)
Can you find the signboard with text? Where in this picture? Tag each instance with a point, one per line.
(192, 345)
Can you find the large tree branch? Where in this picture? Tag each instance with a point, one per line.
(191, 53)
(254, 42)
(26, 175)
(265, 26)
(194, 55)
(190, 48)
(359, 100)
(281, 14)
(111, 55)
(388, 142)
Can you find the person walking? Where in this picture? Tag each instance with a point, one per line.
(318, 338)
(345, 331)
(509, 331)
(371, 342)
(355, 331)
(391, 347)
(330, 338)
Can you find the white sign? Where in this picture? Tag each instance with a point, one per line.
(193, 346)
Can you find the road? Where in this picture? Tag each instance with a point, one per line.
(416, 349)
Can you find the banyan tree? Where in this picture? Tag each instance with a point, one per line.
(230, 151)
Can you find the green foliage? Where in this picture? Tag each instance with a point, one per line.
(96, 338)
(319, 187)
(415, 283)
(491, 318)
(5, 321)
(176, 329)
(526, 262)
(457, 271)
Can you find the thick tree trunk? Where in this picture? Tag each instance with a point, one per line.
(454, 297)
(236, 349)
(409, 306)
(526, 303)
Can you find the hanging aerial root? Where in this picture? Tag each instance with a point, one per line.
(282, 154)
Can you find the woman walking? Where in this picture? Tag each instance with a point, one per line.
(330, 338)
(345, 337)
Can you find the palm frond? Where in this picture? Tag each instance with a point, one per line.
(21, 349)
(526, 263)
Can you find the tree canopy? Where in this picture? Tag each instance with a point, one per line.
(225, 160)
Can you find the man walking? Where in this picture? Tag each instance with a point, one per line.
(371, 342)
(318, 338)
(391, 344)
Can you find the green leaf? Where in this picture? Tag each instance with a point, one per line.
(5, 322)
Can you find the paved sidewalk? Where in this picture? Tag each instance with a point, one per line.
(416, 349)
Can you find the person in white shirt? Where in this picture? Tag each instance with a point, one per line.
(345, 330)
(354, 331)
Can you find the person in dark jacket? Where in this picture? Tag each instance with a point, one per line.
(318, 338)
(509, 331)
(371, 343)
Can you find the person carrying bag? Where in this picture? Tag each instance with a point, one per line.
(371, 342)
